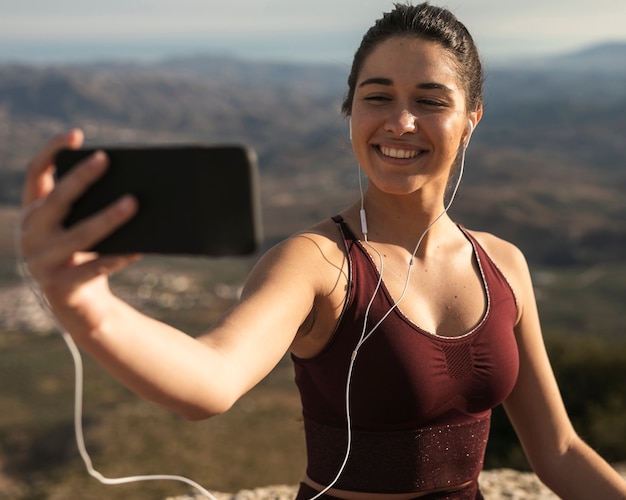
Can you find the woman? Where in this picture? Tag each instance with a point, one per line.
(405, 328)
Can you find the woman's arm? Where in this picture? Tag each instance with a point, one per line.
(194, 377)
(535, 407)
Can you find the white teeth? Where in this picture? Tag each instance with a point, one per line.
(399, 153)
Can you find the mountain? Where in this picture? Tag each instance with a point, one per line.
(545, 169)
(606, 57)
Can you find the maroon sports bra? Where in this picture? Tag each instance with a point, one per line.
(420, 404)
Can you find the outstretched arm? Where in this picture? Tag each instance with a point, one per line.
(194, 377)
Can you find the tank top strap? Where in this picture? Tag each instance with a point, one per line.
(488, 267)
(492, 273)
(347, 233)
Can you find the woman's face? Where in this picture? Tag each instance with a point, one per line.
(408, 116)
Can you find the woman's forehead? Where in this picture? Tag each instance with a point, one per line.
(408, 58)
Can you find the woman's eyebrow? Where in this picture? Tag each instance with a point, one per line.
(376, 81)
(389, 82)
(434, 86)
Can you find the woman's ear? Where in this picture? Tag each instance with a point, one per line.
(472, 122)
(476, 116)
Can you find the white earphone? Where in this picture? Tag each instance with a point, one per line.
(469, 134)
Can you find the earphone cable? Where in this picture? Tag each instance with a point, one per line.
(363, 337)
(78, 365)
(79, 377)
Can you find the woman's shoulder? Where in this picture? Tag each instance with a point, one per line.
(310, 251)
(498, 248)
(512, 264)
(506, 255)
(322, 238)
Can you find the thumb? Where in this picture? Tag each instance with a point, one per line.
(40, 171)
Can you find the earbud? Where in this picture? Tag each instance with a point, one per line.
(469, 133)
(350, 127)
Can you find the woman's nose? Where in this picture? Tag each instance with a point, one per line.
(402, 122)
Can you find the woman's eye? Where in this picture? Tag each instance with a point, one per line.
(429, 102)
(377, 98)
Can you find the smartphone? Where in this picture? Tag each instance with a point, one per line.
(193, 200)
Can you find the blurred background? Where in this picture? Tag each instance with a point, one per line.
(546, 170)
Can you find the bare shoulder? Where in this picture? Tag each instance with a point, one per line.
(313, 246)
(510, 260)
(323, 236)
(314, 255)
(505, 254)
(304, 278)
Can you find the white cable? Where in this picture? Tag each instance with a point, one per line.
(78, 378)
(354, 353)
(78, 364)
(365, 336)
(419, 242)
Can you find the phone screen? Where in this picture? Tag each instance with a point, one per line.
(193, 200)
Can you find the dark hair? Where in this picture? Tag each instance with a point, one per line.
(431, 23)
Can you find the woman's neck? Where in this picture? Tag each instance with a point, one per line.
(400, 221)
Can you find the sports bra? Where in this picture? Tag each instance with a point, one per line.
(420, 404)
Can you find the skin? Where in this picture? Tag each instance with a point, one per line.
(301, 283)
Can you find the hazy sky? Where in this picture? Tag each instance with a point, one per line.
(324, 30)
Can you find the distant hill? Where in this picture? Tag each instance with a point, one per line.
(546, 166)
(606, 57)
(315, 79)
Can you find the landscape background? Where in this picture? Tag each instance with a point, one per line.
(546, 170)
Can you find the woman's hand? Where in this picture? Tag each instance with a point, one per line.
(195, 377)
(74, 281)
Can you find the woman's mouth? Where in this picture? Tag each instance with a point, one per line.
(399, 153)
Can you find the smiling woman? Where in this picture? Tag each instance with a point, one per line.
(393, 101)
(405, 329)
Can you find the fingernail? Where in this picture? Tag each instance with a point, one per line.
(126, 203)
(98, 156)
(96, 160)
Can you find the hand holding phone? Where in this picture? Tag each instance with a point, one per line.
(193, 200)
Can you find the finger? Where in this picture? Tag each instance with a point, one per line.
(91, 230)
(72, 185)
(43, 216)
(39, 173)
(58, 285)
(69, 248)
(99, 266)
(108, 265)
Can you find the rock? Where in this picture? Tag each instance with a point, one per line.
(514, 485)
(497, 484)
(277, 492)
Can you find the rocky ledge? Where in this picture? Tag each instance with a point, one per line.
(496, 484)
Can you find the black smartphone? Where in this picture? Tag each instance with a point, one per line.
(193, 200)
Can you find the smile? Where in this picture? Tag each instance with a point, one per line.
(402, 154)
